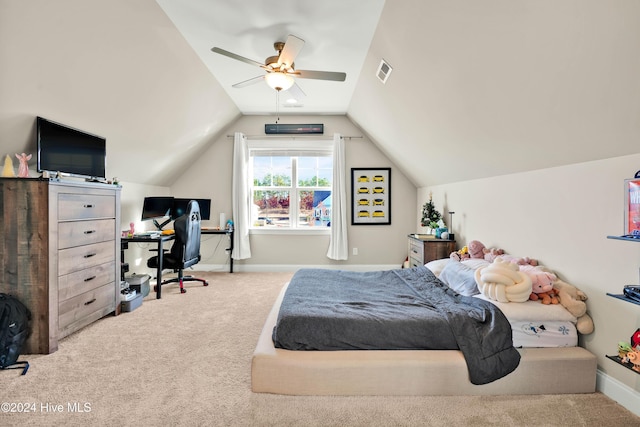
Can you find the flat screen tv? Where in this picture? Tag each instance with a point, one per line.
(180, 207)
(69, 151)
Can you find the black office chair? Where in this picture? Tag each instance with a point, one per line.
(185, 250)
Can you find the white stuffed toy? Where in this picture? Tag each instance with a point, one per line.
(502, 281)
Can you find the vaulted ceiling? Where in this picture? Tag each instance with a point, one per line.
(478, 88)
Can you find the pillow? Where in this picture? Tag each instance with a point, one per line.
(475, 263)
(460, 278)
(437, 265)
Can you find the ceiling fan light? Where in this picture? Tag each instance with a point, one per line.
(279, 81)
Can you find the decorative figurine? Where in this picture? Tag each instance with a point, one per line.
(7, 171)
(23, 169)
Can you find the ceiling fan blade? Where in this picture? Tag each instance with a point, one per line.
(249, 82)
(237, 57)
(320, 75)
(296, 93)
(292, 48)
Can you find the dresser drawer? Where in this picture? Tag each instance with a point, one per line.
(85, 206)
(421, 251)
(413, 262)
(79, 233)
(416, 249)
(81, 257)
(73, 284)
(100, 301)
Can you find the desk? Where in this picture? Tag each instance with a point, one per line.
(160, 239)
(230, 248)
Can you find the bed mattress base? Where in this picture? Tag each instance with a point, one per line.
(410, 372)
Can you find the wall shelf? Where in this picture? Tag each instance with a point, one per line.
(618, 360)
(629, 239)
(623, 298)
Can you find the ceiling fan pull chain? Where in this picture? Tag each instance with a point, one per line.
(277, 106)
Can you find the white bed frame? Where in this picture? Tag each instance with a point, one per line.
(410, 372)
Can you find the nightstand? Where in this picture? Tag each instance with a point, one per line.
(423, 249)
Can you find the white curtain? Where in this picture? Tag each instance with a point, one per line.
(240, 198)
(338, 244)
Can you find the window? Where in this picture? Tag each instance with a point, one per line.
(291, 184)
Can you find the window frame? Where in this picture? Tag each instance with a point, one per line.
(293, 148)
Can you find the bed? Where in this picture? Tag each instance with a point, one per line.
(401, 369)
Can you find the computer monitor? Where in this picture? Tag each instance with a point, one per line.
(180, 207)
(155, 208)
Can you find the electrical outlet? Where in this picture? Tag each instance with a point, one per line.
(355, 251)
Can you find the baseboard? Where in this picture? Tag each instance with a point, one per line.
(621, 393)
(268, 268)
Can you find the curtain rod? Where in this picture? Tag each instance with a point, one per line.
(282, 136)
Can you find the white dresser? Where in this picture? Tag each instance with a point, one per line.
(60, 254)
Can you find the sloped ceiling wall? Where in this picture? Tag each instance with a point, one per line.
(118, 69)
(489, 88)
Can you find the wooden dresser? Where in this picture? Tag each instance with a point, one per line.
(59, 254)
(423, 250)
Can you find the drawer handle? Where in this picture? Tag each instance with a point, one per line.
(89, 255)
(89, 206)
(88, 279)
(89, 231)
(90, 302)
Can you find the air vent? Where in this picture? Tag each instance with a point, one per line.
(384, 69)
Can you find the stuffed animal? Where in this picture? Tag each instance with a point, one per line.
(519, 260)
(476, 249)
(502, 281)
(490, 254)
(546, 298)
(541, 284)
(460, 254)
(573, 299)
(623, 349)
(633, 357)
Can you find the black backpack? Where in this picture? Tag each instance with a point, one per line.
(15, 327)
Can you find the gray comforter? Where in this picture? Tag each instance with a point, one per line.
(405, 309)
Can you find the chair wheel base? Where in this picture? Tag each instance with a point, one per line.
(183, 291)
(206, 283)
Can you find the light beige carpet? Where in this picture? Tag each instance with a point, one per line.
(185, 360)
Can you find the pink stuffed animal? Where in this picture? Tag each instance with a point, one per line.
(476, 249)
(541, 284)
(519, 260)
(490, 254)
(23, 169)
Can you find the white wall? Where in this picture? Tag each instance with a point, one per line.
(210, 177)
(561, 216)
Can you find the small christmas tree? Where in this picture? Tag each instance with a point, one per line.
(430, 216)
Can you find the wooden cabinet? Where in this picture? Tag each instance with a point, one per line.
(423, 250)
(59, 251)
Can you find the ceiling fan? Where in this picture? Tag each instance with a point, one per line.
(280, 68)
